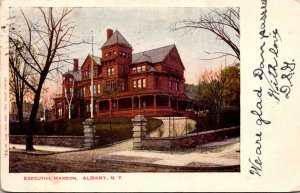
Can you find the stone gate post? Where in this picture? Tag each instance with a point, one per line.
(139, 130)
(89, 133)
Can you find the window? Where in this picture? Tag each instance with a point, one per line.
(138, 69)
(134, 70)
(99, 89)
(115, 52)
(122, 85)
(94, 89)
(110, 85)
(108, 72)
(59, 113)
(139, 83)
(144, 83)
(83, 91)
(113, 85)
(88, 108)
(143, 68)
(112, 71)
(170, 85)
(176, 86)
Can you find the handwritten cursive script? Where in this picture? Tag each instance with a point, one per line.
(275, 80)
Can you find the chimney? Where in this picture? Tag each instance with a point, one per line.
(75, 65)
(109, 33)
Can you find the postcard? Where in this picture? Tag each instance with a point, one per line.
(150, 96)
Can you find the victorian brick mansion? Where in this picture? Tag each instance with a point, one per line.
(150, 83)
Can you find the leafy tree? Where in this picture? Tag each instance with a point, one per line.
(220, 90)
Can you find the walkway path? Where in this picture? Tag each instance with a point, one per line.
(43, 148)
(227, 154)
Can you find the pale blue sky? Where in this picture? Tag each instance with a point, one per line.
(148, 28)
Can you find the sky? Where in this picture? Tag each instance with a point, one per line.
(145, 29)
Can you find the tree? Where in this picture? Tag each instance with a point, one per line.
(220, 89)
(223, 23)
(69, 95)
(46, 99)
(18, 88)
(46, 39)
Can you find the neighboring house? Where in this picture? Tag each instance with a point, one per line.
(13, 112)
(125, 84)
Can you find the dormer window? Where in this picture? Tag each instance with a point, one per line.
(134, 70)
(139, 69)
(143, 68)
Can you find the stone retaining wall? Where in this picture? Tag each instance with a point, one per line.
(67, 141)
(189, 141)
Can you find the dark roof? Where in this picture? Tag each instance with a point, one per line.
(116, 38)
(76, 74)
(152, 56)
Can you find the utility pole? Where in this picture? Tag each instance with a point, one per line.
(92, 81)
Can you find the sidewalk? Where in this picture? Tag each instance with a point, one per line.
(42, 148)
(216, 154)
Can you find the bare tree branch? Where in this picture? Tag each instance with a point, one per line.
(224, 24)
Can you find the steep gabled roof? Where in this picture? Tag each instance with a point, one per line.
(152, 56)
(96, 59)
(116, 38)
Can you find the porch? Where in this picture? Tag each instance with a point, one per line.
(148, 105)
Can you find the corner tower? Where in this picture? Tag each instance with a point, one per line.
(116, 58)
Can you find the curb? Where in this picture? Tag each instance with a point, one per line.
(231, 168)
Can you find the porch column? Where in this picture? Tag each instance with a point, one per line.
(117, 107)
(55, 112)
(139, 103)
(154, 104)
(132, 105)
(169, 102)
(110, 107)
(78, 109)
